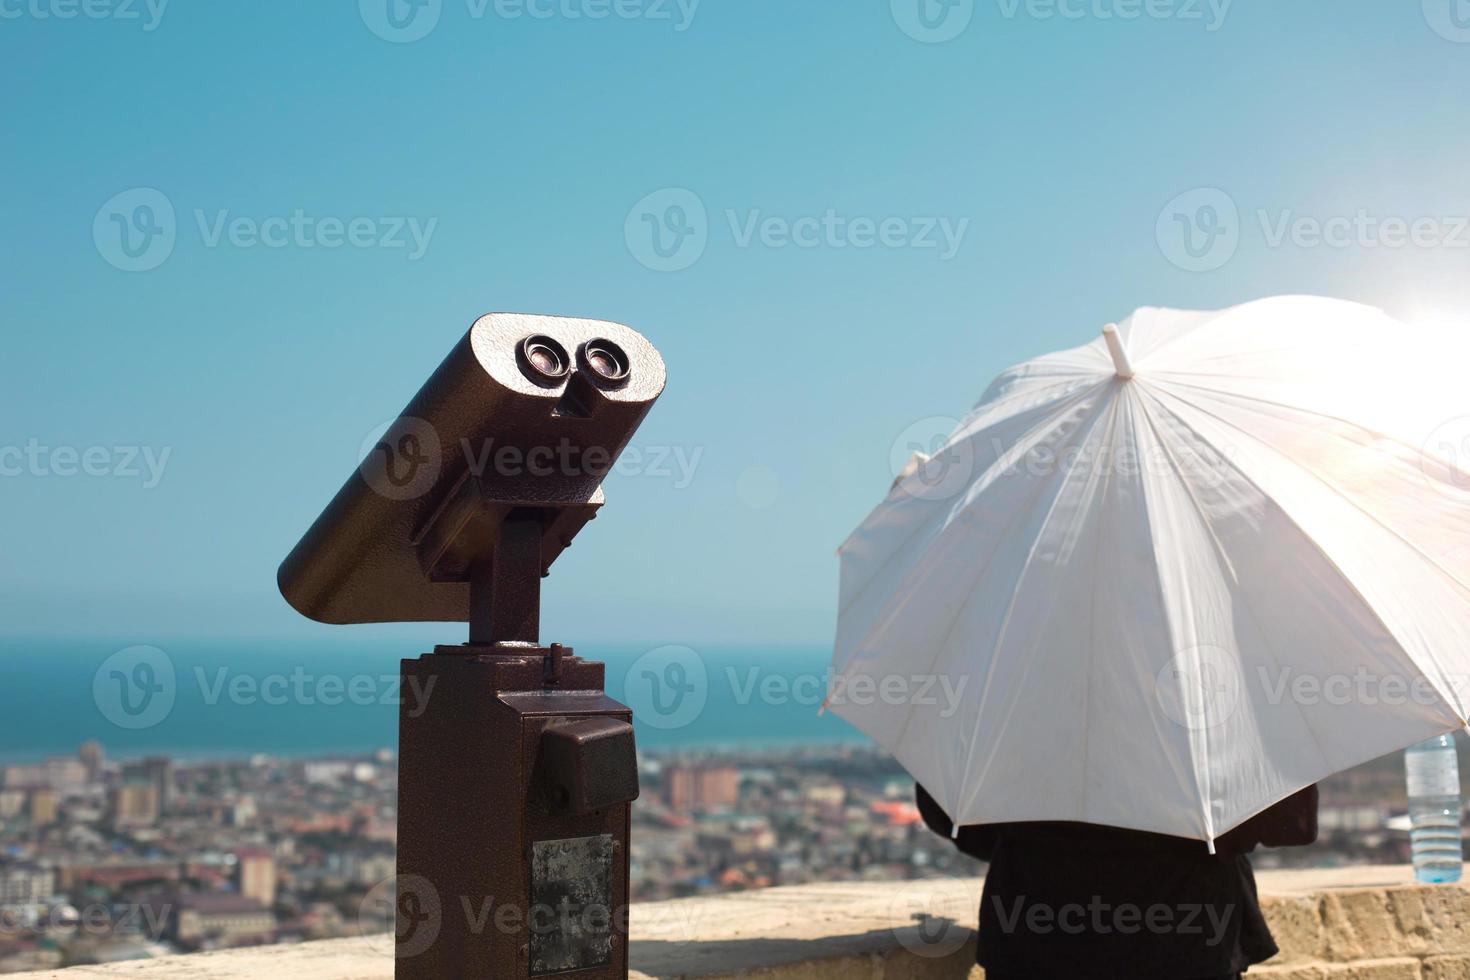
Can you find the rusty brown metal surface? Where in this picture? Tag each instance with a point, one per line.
(588, 764)
(364, 560)
(473, 808)
(505, 583)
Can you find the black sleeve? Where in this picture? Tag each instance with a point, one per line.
(1290, 823)
(978, 840)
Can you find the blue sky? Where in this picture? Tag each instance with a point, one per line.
(875, 222)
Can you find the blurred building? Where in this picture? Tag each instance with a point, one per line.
(831, 796)
(42, 807)
(364, 868)
(743, 839)
(12, 802)
(134, 804)
(687, 788)
(24, 883)
(92, 757)
(158, 771)
(61, 774)
(217, 919)
(255, 876)
(116, 873)
(321, 771)
(242, 811)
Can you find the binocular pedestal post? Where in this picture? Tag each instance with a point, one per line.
(505, 585)
(516, 778)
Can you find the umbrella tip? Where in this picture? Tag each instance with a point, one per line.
(1121, 365)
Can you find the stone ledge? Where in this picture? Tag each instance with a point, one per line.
(1366, 923)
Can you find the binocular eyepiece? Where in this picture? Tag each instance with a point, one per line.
(545, 361)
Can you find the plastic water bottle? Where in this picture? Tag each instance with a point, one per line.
(1433, 771)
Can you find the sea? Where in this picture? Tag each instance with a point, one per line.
(211, 698)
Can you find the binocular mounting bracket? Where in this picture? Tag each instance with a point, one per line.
(502, 547)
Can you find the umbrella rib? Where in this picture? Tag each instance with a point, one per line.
(1202, 782)
(945, 517)
(1463, 585)
(1004, 629)
(959, 613)
(987, 408)
(1222, 393)
(1105, 479)
(1253, 352)
(1179, 474)
(1223, 556)
(1452, 702)
(904, 586)
(1067, 379)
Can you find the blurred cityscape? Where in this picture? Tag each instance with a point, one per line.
(102, 859)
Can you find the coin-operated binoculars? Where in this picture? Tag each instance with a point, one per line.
(516, 770)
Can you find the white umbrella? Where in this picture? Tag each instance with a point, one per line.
(1168, 578)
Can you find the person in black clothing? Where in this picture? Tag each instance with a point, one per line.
(1075, 901)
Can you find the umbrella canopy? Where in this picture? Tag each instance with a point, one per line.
(1166, 579)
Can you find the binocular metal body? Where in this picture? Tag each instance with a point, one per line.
(516, 771)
